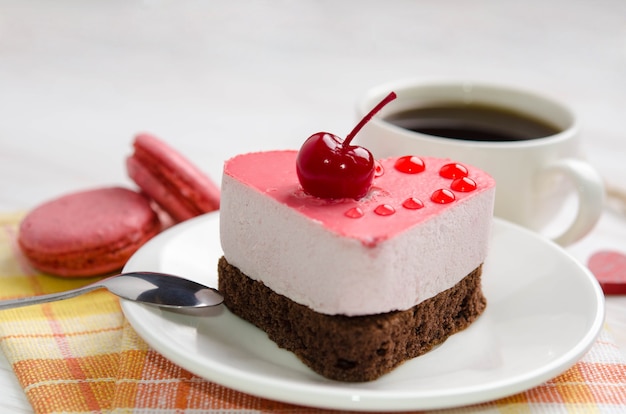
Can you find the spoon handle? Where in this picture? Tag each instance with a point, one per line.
(35, 300)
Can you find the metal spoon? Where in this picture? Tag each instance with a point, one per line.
(157, 289)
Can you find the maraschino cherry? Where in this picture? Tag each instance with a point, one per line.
(329, 167)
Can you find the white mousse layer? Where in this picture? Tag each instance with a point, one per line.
(310, 251)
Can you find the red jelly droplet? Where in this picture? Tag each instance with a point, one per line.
(410, 164)
(464, 185)
(413, 203)
(453, 170)
(442, 196)
(355, 212)
(378, 169)
(384, 210)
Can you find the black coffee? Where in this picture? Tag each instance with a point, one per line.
(472, 122)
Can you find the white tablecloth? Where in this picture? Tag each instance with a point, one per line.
(215, 78)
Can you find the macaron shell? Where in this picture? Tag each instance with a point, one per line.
(162, 194)
(169, 178)
(87, 233)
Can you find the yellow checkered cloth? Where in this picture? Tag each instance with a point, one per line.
(82, 356)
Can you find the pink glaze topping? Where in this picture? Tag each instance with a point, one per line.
(406, 191)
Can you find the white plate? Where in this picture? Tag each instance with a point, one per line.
(544, 312)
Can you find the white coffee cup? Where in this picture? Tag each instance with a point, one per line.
(535, 178)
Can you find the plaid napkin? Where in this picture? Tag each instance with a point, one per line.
(82, 356)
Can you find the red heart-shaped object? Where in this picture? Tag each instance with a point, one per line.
(609, 267)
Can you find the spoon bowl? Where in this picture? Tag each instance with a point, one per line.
(152, 288)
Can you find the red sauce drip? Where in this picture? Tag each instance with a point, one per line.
(410, 164)
(453, 170)
(384, 210)
(378, 169)
(463, 184)
(413, 203)
(442, 196)
(354, 212)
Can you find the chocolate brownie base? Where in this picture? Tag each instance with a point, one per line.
(359, 348)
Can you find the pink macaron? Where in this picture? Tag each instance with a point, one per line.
(171, 180)
(87, 233)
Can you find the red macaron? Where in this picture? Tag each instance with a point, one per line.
(171, 180)
(87, 233)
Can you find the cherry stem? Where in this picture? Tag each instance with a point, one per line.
(367, 117)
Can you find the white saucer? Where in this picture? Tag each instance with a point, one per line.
(544, 312)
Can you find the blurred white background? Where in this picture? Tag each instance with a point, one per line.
(79, 78)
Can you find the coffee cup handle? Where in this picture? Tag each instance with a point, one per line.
(590, 191)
